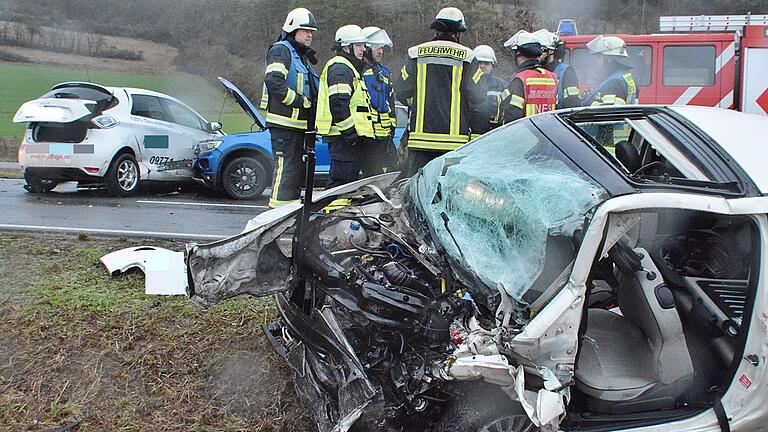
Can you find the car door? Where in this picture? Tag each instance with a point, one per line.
(188, 129)
(154, 132)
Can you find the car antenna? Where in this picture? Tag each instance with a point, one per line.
(87, 75)
(445, 220)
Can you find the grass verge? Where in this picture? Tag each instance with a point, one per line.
(81, 347)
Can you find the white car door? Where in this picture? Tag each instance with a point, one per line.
(189, 129)
(155, 134)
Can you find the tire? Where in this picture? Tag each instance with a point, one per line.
(122, 179)
(36, 184)
(245, 178)
(484, 409)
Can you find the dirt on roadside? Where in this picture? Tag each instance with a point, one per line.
(78, 347)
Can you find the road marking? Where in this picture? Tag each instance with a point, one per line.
(201, 204)
(111, 231)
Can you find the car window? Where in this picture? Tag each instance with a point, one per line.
(183, 116)
(149, 107)
(505, 199)
(102, 98)
(690, 65)
(639, 56)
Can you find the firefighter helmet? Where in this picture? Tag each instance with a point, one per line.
(376, 37)
(449, 20)
(525, 43)
(484, 53)
(349, 34)
(547, 39)
(299, 18)
(608, 46)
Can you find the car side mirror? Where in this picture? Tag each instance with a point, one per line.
(214, 126)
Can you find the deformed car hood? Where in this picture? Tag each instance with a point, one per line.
(252, 262)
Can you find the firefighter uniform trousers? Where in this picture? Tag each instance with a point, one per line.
(288, 150)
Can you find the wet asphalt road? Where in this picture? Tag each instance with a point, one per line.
(194, 213)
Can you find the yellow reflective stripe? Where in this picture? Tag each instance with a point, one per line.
(608, 100)
(476, 77)
(455, 124)
(540, 81)
(299, 83)
(290, 96)
(264, 97)
(421, 93)
(273, 203)
(277, 67)
(571, 91)
(619, 101)
(347, 123)
(429, 145)
(474, 136)
(278, 179)
(340, 88)
(438, 137)
(505, 94)
(517, 101)
(286, 121)
(403, 73)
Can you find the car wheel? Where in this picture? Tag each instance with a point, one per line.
(36, 184)
(122, 177)
(245, 178)
(484, 409)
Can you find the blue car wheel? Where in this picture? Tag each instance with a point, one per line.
(245, 178)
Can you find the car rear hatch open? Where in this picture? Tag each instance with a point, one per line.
(64, 113)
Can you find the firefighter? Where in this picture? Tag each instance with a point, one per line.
(487, 115)
(617, 86)
(554, 61)
(343, 105)
(289, 93)
(532, 89)
(379, 154)
(439, 82)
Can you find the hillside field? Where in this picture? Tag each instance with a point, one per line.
(21, 83)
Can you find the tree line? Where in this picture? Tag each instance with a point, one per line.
(231, 37)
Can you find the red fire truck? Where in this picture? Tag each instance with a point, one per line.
(717, 61)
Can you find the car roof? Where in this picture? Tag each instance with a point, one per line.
(741, 135)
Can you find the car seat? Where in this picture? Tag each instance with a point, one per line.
(628, 155)
(637, 360)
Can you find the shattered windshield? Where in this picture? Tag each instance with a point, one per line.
(510, 199)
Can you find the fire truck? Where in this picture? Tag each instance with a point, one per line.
(719, 61)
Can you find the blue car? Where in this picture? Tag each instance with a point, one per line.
(242, 164)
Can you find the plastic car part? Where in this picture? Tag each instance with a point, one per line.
(164, 270)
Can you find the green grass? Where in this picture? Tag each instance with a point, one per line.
(20, 83)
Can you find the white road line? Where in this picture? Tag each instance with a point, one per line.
(201, 204)
(109, 231)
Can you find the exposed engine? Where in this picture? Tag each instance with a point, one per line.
(401, 319)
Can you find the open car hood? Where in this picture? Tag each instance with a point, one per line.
(54, 110)
(244, 102)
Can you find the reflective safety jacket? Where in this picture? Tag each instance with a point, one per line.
(487, 115)
(346, 83)
(289, 82)
(440, 83)
(618, 88)
(567, 86)
(533, 90)
(378, 82)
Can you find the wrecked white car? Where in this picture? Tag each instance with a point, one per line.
(543, 277)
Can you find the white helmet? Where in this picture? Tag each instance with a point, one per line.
(546, 38)
(449, 19)
(520, 38)
(349, 34)
(484, 53)
(376, 37)
(608, 45)
(299, 18)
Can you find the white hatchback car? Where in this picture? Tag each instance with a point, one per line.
(113, 135)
